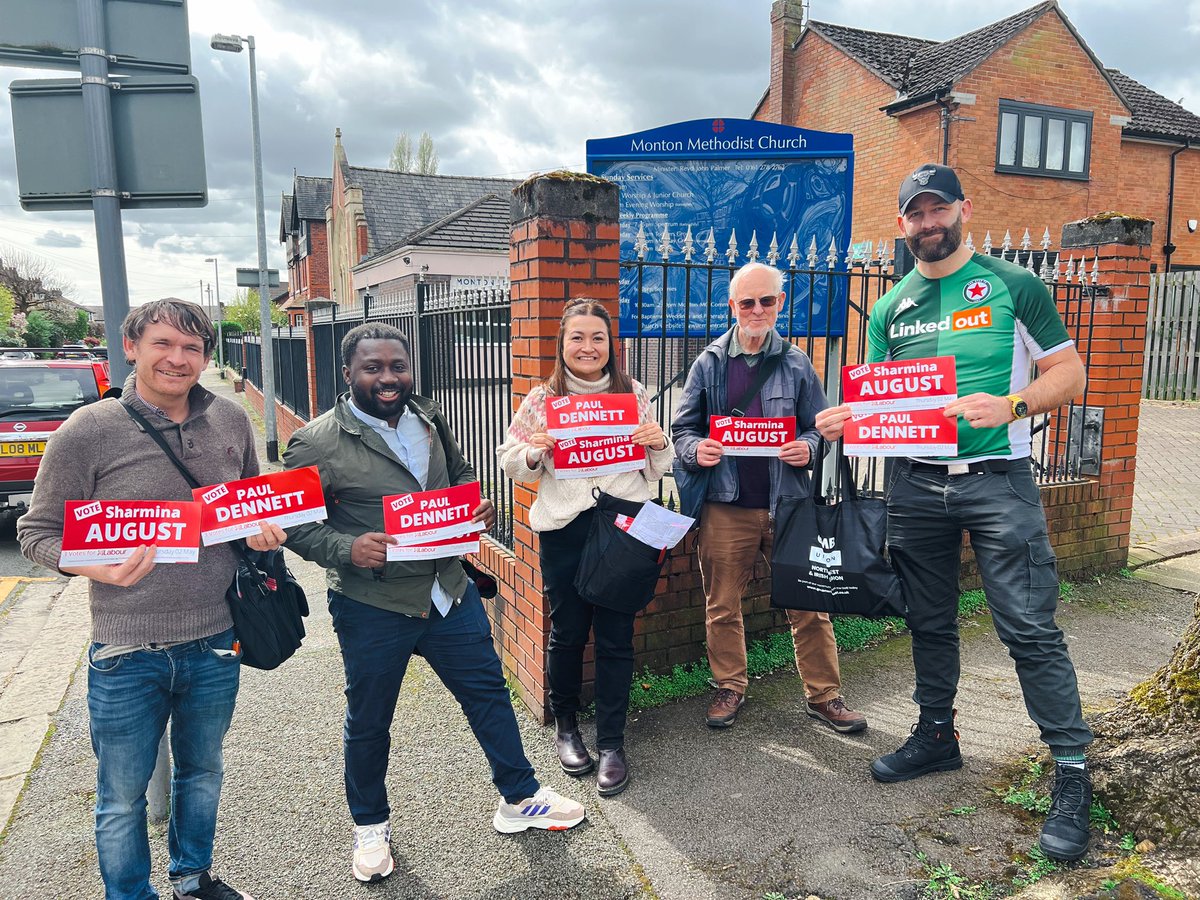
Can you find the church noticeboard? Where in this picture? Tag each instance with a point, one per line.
(734, 181)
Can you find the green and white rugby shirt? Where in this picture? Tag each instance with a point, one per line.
(994, 318)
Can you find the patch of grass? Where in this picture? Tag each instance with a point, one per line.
(963, 810)
(1131, 867)
(1033, 801)
(1101, 818)
(1125, 572)
(1066, 591)
(943, 883)
(1128, 842)
(1038, 867)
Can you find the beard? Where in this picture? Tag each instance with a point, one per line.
(926, 249)
(369, 402)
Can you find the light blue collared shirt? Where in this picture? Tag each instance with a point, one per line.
(409, 442)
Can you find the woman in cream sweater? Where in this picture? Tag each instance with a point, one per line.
(562, 516)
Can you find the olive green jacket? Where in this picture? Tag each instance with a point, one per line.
(357, 472)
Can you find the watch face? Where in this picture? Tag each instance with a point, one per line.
(1020, 409)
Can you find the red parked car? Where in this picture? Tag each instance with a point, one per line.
(36, 397)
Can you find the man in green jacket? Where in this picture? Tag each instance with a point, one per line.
(379, 440)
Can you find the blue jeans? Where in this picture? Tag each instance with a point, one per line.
(1002, 512)
(376, 647)
(130, 698)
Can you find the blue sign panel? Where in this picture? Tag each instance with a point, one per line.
(741, 186)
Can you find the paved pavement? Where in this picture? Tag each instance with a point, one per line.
(1166, 494)
(777, 803)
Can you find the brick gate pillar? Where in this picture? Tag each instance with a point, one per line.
(1114, 354)
(564, 246)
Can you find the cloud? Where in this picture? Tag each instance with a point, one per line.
(53, 238)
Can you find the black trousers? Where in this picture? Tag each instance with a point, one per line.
(571, 618)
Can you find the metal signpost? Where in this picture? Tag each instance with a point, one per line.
(75, 141)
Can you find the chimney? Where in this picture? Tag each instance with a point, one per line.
(787, 19)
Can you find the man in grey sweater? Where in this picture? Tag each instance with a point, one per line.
(163, 642)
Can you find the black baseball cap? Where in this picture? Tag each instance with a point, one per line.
(930, 178)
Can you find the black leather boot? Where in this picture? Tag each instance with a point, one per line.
(613, 776)
(573, 755)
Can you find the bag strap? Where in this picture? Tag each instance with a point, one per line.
(765, 370)
(845, 475)
(238, 546)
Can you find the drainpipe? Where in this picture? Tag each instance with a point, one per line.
(1168, 247)
(947, 116)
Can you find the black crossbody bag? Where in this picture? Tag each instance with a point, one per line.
(266, 602)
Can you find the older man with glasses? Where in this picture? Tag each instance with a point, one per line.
(751, 368)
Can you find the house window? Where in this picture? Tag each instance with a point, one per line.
(1043, 140)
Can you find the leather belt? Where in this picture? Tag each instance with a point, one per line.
(982, 467)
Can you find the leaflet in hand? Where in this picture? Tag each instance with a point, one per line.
(106, 532)
(233, 510)
(656, 526)
(591, 415)
(918, 432)
(590, 457)
(899, 385)
(455, 546)
(431, 517)
(752, 436)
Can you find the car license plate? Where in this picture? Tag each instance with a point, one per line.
(22, 448)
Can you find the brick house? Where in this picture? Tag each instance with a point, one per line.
(1039, 130)
(302, 232)
(387, 228)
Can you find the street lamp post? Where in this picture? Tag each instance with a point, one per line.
(220, 315)
(233, 44)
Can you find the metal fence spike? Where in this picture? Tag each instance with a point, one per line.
(793, 256)
(688, 245)
(1029, 261)
(1046, 239)
(1007, 245)
(987, 243)
(732, 252)
(710, 246)
(1070, 268)
(812, 253)
(1047, 273)
(752, 251)
(1026, 241)
(664, 244)
(1096, 267)
(970, 242)
(773, 250)
(639, 242)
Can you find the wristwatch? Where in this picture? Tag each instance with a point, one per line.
(1020, 409)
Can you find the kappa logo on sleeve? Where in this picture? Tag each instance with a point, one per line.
(86, 512)
(401, 502)
(215, 494)
(906, 303)
(724, 422)
(560, 402)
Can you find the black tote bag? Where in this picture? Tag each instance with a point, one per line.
(830, 557)
(617, 571)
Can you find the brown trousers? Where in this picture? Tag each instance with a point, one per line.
(731, 540)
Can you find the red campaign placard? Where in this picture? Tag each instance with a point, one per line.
(455, 546)
(899, 385)
(425, 517)
(590, 457)
(917, 432)
(591, 415)
(232, 510)
(752, 436)
(106, 532)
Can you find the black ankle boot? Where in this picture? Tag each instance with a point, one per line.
(573, 755)
(932, 747)
(613, 776)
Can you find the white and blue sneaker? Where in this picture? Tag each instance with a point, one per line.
(372, 855)
(545, 809)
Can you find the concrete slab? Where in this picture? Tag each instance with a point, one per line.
(1181, 573)
(38, 683)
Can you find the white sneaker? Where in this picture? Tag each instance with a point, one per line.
(545, 809)
(372, 855)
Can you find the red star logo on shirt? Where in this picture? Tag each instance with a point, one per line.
(977, 290)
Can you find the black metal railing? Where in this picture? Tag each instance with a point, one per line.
(461, 342)
(289, 347)
(827, 315)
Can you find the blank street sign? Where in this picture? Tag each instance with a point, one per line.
(249, 278)
(157, 137)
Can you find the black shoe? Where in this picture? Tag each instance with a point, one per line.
(1065, 835)
(932, 747)
(573, 754)
(212, 889)
(613, 776)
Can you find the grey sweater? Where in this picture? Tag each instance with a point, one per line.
(100, 453)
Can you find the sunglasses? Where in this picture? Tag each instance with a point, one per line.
(747, 303)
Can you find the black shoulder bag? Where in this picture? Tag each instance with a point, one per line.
(617, 571)
(831, 557)
(266, 602)
(692, 484)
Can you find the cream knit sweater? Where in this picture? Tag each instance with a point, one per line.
(560, 501)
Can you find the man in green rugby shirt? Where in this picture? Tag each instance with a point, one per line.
(999, 323)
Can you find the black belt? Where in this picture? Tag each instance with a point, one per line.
(982, 467)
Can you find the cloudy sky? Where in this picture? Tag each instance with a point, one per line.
(506, 87)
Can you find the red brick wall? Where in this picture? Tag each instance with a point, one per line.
(1145, 185)
(317, 262)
